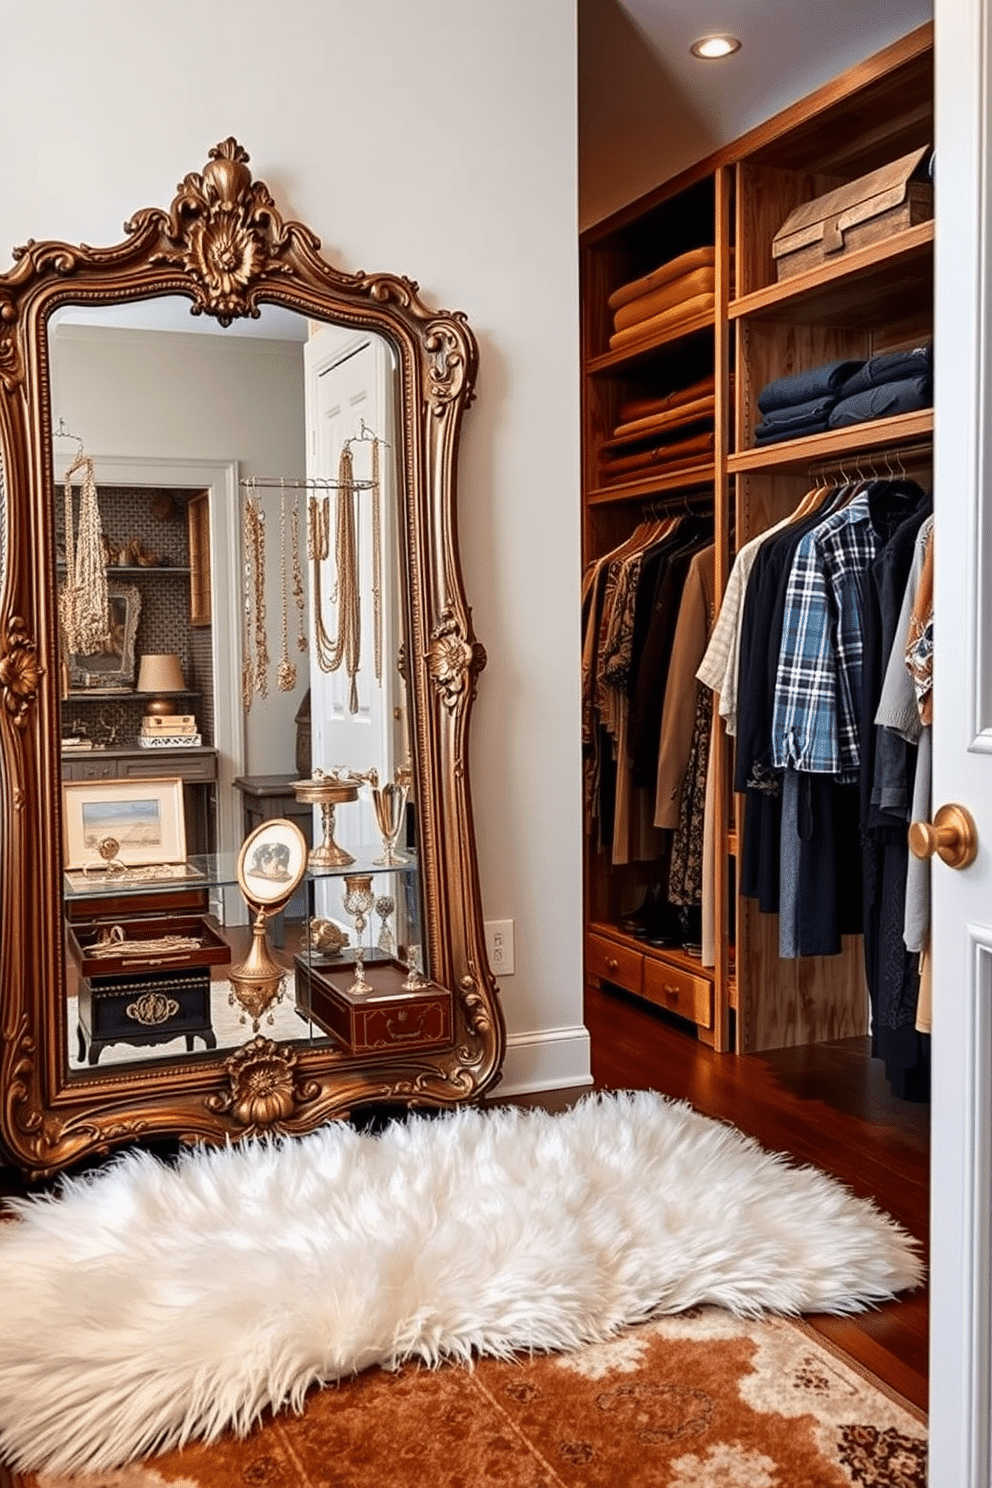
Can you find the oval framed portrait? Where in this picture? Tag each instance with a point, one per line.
(272, 863)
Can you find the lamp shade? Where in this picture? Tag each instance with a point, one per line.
(160, 674)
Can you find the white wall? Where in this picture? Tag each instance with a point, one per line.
(436, 139)
(194, 396)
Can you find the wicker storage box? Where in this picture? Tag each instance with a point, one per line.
(387, 1018)
(865, 211)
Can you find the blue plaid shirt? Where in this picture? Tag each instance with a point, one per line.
(816, 718)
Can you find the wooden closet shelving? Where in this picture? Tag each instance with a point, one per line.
(866, 301)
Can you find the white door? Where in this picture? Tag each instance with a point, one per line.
(961, 1328)
(347, 394)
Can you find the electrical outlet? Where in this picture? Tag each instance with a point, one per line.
(499, 946)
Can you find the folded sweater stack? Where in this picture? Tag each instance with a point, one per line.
(841, 393)
(893, 382)
(657, 434)
(673, 293)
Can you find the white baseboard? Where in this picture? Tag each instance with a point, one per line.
(549, 1059)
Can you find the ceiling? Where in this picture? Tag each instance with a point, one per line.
(647, 107)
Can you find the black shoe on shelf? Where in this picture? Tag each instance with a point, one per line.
(637, 921)
(665, 929)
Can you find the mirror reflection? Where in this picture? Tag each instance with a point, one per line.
(231, 622)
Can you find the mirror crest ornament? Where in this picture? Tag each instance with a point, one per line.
(225, 247)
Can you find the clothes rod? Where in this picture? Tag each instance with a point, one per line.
(854, 466)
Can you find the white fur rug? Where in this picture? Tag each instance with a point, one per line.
(151, 1305)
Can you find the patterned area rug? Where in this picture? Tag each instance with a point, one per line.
(701, 1400)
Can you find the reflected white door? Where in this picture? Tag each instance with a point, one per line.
(962, 900)
(348, 386)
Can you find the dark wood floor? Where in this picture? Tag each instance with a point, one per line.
(826, 1104)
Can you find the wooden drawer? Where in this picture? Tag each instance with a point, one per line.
(679, 991)
(89, 769)
(609, 962)
(152, 762)
(211, 949)
(142, 765)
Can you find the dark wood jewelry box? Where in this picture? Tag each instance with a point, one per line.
(84, 936)
(388, 1017)
(144, 1010)
(151, 998)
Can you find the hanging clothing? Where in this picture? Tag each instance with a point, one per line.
(678, 720)
(887, 785)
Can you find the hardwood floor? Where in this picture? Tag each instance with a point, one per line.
(826, 1104)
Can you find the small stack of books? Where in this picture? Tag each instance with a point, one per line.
(169, 731)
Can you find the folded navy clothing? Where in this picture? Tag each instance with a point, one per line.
(801, 387)
(889, 366)
(769, 433)
(799, 413)
(883, 402)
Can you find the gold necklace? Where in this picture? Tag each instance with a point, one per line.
(299, 592)
(255, 674)
(286, 674)
(84, 604)
(319, 551)
(247, 665)
(376, 563)
(348, 645)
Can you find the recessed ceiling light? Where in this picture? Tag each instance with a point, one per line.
(709, 47)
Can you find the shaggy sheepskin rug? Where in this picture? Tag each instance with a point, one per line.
(151, 1304)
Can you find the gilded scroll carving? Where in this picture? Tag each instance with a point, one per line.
(20, 672)
(453, 660)
(264, 1092)
(228, 230)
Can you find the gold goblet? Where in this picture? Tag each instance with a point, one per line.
(359, 897)
(390, 803)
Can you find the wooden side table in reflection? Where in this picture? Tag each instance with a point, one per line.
(264, 797)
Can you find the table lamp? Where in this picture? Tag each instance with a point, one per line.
(161, 676)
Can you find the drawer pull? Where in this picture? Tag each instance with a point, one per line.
(672, 993)
(612, 964)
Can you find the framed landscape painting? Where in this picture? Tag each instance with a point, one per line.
(134, 822)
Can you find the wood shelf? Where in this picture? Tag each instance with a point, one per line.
(686, 479)
(886, 281)
(793, 455)
(633, 356)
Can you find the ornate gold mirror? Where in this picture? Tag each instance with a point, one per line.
(208, 623)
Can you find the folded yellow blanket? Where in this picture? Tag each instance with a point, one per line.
(696, 258)
(646, 329)
(700, 281)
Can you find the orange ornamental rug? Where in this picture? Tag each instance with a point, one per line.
(702, 1400)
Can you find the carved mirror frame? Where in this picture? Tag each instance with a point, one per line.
(224, 246)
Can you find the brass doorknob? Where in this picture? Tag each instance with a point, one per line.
(952, 835)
